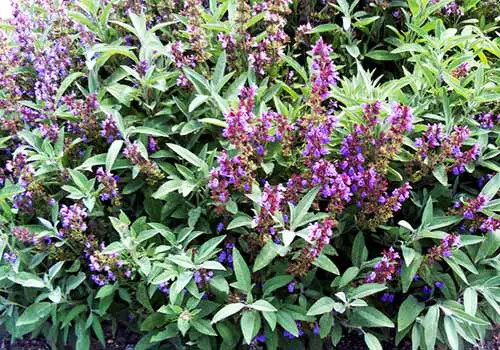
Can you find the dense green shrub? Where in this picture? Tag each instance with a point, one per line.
(234, 174)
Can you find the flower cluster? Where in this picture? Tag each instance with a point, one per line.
(435, 146)
(449, 242)
(202, 277)
(10, 257)
(196, 33)
(462, 70)
(270, 203)
(225, 256)
(266, 52)
(319, 236)
(249, 135)
(105, 267)
(85, 123)
(73, 220)
(487, 120)
(136, 153)
(109, 186)
(18, 170)
(109, 129)
(164, 287)
(28, 237)
(471, 210)
(385, 269)
(323, 73)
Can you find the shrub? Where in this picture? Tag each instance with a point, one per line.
(276, 174)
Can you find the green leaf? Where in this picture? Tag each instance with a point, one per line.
(296, 66)
(206, 250)
(188, 155)
(220, 67)
(367, 289)
(322, 306)
(263, 305)
(327, 27)
(470, 301)
(457, 312)
(242, 272)
(408, 272)
(451, 332)
(74, 281)
(266, 256)
(183, 325)
(113, 152)
(197, 101)
(363, 22)
(28, 280)
(250, 325)
(123, 93)
(83, 341)
(227, 311)
(105, 291)
(428, 213)
(408, 312)
(97, 328)
(491, 188)
(441, 175)
(199, 82)
(359, 253)
(372, 342)
(213, 121)
(325, 325)
(274, 283)
(240, 220)
(287, 322)
(65, 84)
(34, 313)
(204, 327)
(408, 254)
(382, 55)
(348, 276)
(431, 325)
(169, 332)
(324, 262)
(443, 221)
(414, 6)
(166, 188)
(143, 298)
(457, 269)
(302, 208)
(370, 317)
(73, 312)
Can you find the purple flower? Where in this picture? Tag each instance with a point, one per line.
(384, 270)
(323, 74)
(290, 335)
(439, 284)
(109, 183)
(291, 287)
(73, 218)
(259, 338)
(487, 120)
(10, 257)
(164, 288)
(387, 298)
(109, 129)
(220, 226)
(152, 145)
